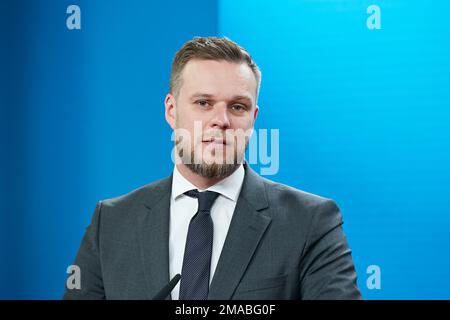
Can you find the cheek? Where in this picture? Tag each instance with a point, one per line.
(242, 127)
(244, 122)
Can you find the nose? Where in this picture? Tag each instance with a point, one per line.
(220, 119)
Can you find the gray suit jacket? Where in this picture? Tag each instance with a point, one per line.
(282, 244)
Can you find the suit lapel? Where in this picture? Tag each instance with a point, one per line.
(247, 227)
(153, 235)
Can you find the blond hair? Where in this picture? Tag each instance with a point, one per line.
(210, 48)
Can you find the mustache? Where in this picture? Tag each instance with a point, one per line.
(219, 137)
(218, 140)
(227, 137)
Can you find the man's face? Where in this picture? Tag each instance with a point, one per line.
(216, 108)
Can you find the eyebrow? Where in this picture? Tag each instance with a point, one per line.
(234, 98)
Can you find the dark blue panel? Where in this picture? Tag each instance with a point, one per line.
(83, 121)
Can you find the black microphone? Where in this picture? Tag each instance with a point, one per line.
(164, 292)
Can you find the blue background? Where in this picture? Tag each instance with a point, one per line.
(364, 118)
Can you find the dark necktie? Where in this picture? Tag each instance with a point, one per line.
(197, 253)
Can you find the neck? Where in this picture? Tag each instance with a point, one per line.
(197, 180)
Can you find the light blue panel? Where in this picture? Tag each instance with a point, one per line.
(364, 118)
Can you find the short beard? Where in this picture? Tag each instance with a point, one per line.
(214, 170)
(219, 171)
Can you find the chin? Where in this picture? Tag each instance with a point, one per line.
(214, 160)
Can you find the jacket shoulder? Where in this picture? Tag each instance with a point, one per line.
(279, 193)
(148, 194)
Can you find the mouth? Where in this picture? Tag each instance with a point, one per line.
(215, 140)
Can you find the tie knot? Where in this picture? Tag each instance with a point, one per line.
(205, 199)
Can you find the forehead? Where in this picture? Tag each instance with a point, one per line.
(218, 78)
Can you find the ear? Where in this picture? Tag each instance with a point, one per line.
(255, 114)
(170, 114)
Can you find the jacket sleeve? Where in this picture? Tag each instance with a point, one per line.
(327, 270)
(88, 260)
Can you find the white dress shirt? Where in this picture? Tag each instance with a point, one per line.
(183, 208)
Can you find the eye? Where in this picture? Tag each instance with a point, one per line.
(238, 107)
(202, 103)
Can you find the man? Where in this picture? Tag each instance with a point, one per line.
(230, 233)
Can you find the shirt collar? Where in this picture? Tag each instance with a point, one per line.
(229, 187)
